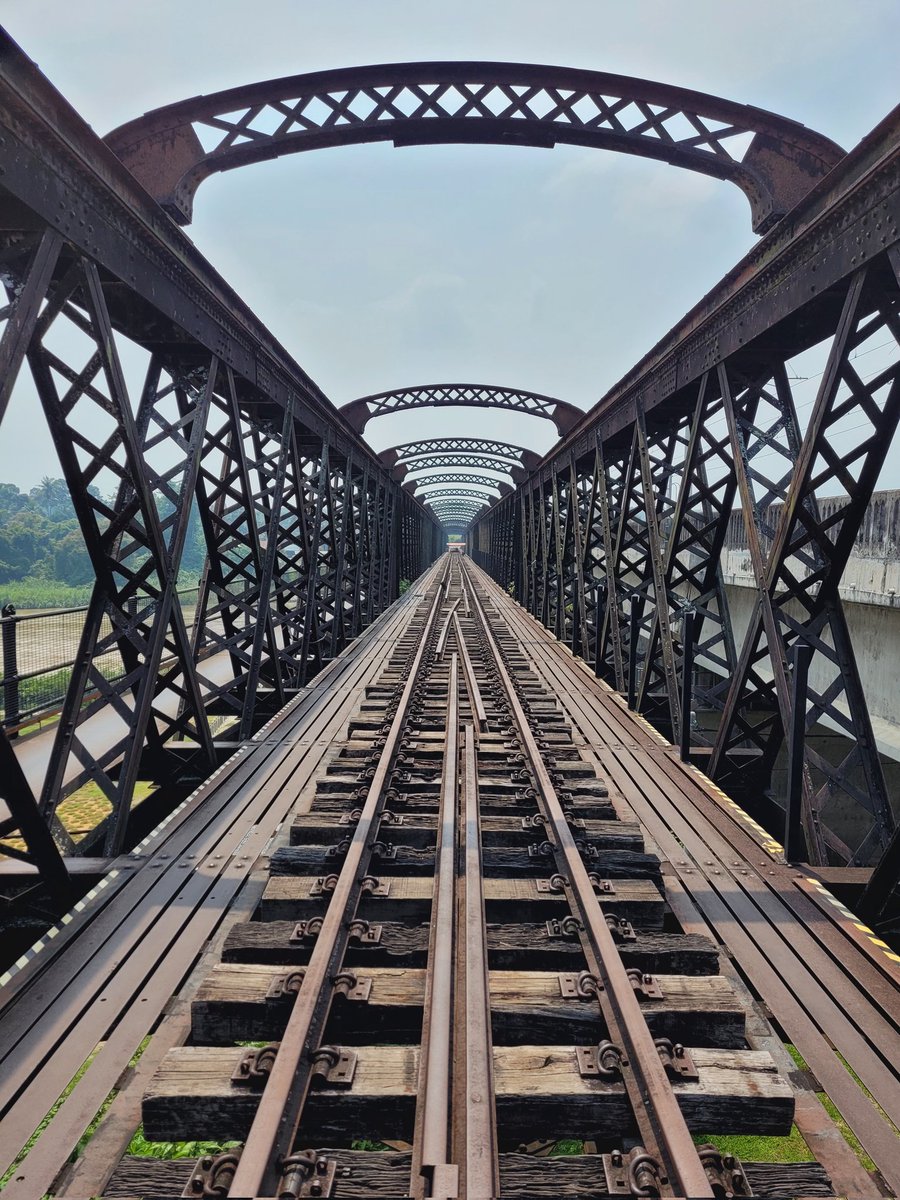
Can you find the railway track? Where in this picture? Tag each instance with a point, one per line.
(461, 955)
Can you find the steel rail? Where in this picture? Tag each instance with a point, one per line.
(434, 1174)
(441, 647)
(478, 708)
(662, 1127)
(277, 1118)
(481, 1160)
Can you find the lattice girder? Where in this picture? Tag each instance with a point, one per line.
(423, 482)
(461, 395)
(799, 571)
(439, 462)
(134, 543)
(173, 149)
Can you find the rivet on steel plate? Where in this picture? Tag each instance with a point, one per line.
(334, 1065)
(352, 987)
(675, 1059)
(569, 927)
(583, 986)
(605, 1060)
(645, 986)
(724, 1171)
(285, 986)
(213, 1176)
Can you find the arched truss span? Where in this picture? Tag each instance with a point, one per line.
(460, 501)
(402, 456)
(466, 515)
(462, 395)
(173, 149)
(475, 462)
(449, 495)
(457, 494)
(422, 482)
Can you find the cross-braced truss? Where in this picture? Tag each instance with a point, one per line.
(459, 445)
(618, 537)
(460, 493)
(773, 160)
(172, 408)
(461, 395)
(424, 482)
(165, 428)
(431, 463)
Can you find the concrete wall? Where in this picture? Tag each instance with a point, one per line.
(870, 590)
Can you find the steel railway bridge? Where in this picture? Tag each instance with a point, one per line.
(464, 860)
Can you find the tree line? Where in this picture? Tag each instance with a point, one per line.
(40, 538)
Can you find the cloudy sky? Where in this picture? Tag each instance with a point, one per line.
(547, 270)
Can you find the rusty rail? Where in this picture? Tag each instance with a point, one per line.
(274, 1128)
(671, 1156)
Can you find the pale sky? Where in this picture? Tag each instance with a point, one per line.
(547, 270)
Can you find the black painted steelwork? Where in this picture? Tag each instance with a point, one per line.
(461, 395)
(622, 526)
(773, 160)
(307, 534)
(423, 483)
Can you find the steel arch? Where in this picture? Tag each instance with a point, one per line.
(473, 461)
(471, 102)
(465, 445)
(463, 515)
(462, 395)
(430, 481)
(458, 502)
(457, 494)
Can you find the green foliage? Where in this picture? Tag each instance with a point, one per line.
(790, 1149)
(404, 586)
(140, 1147)
(43, 560)
(40, 538)
(33, 592)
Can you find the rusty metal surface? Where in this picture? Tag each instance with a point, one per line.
(826, 991)
(306, 534)
(621, 529)
(662, 1127)
(432, 1157)
(141, 934)
(478, 1132)
(465, 395)
(512, 103)
(275, 1123)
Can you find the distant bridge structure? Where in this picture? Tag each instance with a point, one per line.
(613, 539)
(461, 395)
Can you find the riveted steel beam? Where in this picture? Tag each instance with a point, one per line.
(173, 149)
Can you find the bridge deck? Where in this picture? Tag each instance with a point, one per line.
(834, 986)
(106, 978)
(134, 939)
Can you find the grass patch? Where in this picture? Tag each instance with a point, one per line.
(85, 809)
(832, 1109)
(48, 1118)
(141, 1148)
(790, 1149)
